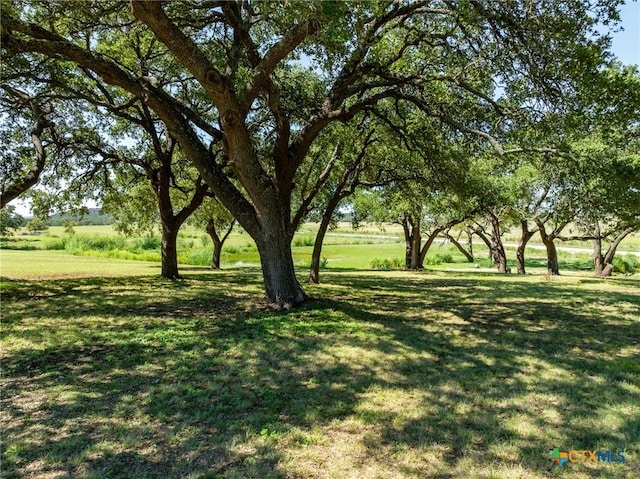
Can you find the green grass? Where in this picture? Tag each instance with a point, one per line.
(58, 264)
(383, 374)
(344, 249)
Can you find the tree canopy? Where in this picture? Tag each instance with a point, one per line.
(246, 88)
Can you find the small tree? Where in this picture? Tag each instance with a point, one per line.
(217, 222)
(36, 226)
(69, 227)
(9, 220)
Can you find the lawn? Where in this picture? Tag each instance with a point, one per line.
(344, 249)
(380, 375)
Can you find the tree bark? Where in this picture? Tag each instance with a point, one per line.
(552, 252)
(494, 243)
(217, 244)
(430, 239)
(598, 259)
(500, 256)
(281, 285)
(215, 257)
(416, 259)
(408, 243)
(467, 254)
(314, 270)
(217, 241)
(169, 252)
(603, 264)
(522, 245)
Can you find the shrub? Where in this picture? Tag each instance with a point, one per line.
(248, 248)
(445, 258)
(626, 264)
(199, 258)
(148, 242)
(36, 226)
(54, 243)
(438, 259)
(385, 264)
(304, 241)
(323, 263)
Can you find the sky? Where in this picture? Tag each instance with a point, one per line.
(625, 45)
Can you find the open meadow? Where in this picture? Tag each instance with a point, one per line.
(368, 247)
(110, 371)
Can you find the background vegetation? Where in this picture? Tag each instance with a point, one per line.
(369, 246)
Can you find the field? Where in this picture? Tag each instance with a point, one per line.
(344, 249)
(111, 372)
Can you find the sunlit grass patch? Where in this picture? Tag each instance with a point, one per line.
(390, 374)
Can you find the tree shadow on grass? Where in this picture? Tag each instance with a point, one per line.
(168, 381)
(514, 325)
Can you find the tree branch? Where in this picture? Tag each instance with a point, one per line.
(15, 189)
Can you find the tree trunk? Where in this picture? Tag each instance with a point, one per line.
(215, 257)
(467, 254)
(494, 243)
(430, 239)
(413, 258)
(522, 245)
(31, 178)
(281, 285)
(217, 244)
(552, 258)
(408, 243)
(314, 271)
(598, 259)
(604, 263)
(611, 251)
(434, 234)
(161, 182)
(552, 252)
(416, 258)
(497, 248)
(169, 252)
(217, 241)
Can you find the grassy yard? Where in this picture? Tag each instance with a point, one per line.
(344, 249)
(382, 375)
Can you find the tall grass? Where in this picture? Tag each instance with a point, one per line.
(78, 244)
(343, 252)
(626, 264)
(145, 248)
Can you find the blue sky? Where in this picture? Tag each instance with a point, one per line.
(626, 44)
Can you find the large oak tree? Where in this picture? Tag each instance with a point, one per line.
(438, 56)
